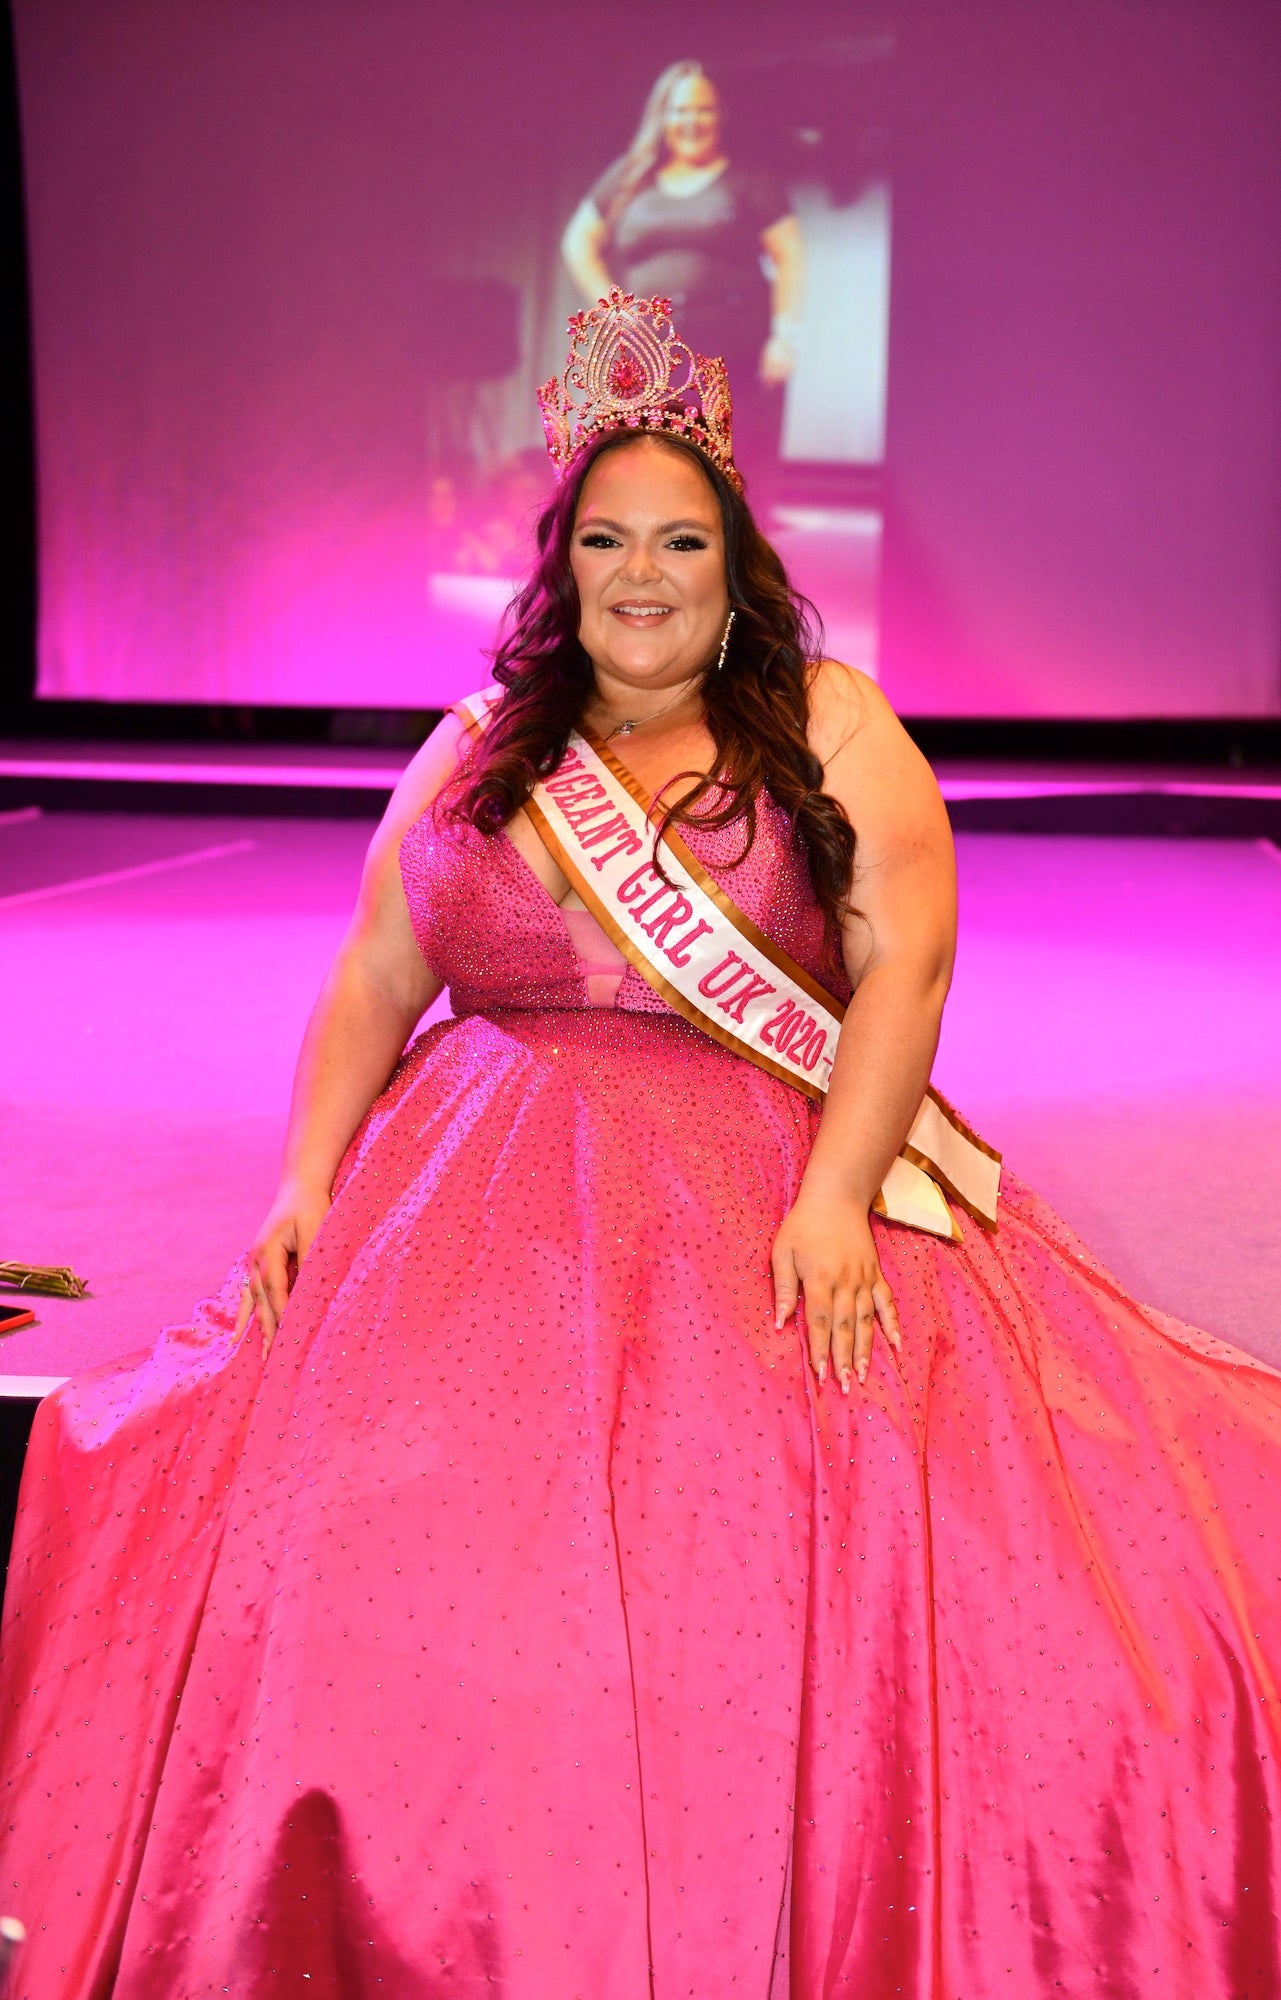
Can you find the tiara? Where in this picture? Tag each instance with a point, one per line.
(627, 370)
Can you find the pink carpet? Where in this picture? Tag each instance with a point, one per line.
(1113, 1027)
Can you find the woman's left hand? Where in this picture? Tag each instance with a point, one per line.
(826, 1250)
(778, 362)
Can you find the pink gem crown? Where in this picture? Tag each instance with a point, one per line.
(627, 370)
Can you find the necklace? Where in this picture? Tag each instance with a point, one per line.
(631, 722)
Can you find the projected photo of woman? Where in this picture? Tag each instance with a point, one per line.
(679, 216)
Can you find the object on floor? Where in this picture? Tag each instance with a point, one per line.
(56, 1281)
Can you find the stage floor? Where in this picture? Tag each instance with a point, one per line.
(1113, 1027)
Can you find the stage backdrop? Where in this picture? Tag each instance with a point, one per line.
(297, 268)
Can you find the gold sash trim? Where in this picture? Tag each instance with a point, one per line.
(941, 1157)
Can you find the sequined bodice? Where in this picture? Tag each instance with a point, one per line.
(488, 927)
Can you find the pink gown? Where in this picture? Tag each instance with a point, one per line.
(533, 1626)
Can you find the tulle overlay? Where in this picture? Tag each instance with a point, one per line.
(532, 1625)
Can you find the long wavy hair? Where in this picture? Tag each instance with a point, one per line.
(640, 162)
(756, 708)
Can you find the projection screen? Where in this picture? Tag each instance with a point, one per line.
(298, 268)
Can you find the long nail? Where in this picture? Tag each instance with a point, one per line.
(862, 1371)
(822, 1373)
(845, 1381)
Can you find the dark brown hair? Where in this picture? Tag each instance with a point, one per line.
(755, 709)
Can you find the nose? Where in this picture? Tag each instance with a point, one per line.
(640, 568)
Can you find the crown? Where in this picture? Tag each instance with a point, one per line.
(627, 370)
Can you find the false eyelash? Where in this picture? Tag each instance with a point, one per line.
(601, 541)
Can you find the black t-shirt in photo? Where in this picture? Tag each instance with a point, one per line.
(702, 251)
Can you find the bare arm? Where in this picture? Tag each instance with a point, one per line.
(784, 245)
(583, 249)
(900, 945)
(898, 949)
(375, 992)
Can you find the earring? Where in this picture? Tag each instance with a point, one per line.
(729, 626)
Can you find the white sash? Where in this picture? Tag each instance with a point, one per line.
(711, 963)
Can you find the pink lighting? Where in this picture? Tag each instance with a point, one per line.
(158, 1083)
(505, 1507)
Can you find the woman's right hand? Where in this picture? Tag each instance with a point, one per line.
(285, 1237)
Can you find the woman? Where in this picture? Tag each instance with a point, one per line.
(676, 217)
(562, 1609)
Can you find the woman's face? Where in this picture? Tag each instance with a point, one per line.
(648, 557)
(692, 125)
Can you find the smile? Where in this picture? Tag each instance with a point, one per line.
(642, 610)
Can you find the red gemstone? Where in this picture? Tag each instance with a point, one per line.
(626, 376)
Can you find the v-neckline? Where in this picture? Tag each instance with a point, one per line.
(526, 869)
(644, 798)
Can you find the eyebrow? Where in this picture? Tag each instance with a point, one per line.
(603, 521)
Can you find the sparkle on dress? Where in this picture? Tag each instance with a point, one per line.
(533, 1626)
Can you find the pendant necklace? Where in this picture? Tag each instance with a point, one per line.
(626, 727)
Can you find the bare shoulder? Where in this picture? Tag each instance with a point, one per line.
(428, 771)
(870, 763)
(850, 718)
(424, 778)
(842, 704)
(381, 922)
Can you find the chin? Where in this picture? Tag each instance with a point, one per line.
(641, 666)
(635, 652)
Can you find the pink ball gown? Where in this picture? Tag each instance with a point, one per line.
(532, 1625)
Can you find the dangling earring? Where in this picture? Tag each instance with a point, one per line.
(729, 626)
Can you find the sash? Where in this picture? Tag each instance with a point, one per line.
(689, 941)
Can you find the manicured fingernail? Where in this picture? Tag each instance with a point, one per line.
(862, 1371)
(845, 1381)
(822, 1373)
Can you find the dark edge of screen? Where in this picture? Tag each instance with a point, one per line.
(17, 440)
(1212, 742)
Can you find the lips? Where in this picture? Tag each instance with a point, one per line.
(642, 614)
